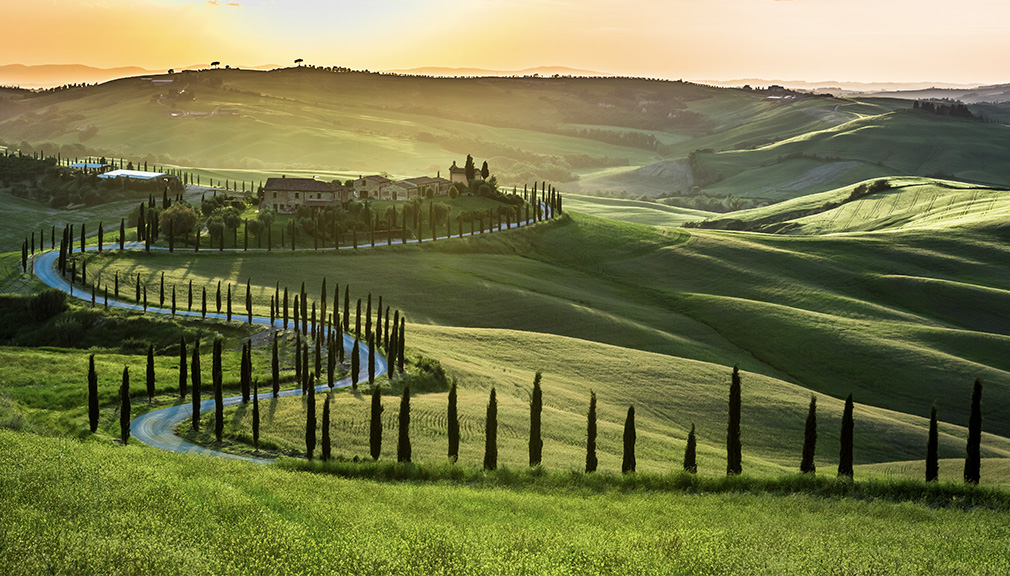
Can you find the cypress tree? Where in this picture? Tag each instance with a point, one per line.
(189, 303)
(138, 288)
(229, 302)
(973, 458)
(218, 297)
(122, 233)
(331, 359)
(491, 432)
(733, 453)
(116, 285)
(310, 422)
(385, 325)
(92, 395)
(248, 301)
(173, 299)
(298, 357)
(256, 416)
(403, 439)
(318, 356)
(150, 373)
(295, 310)
(322, 303)
(195, 369)
(690, 458)
(453, 424)
(378, 324)
(325, 456)
(183, 376)
(306, 375)
(275, 369)
(244, 374)
(217, 375)
(932, 458)
(368, 318)
(810, 439)
(375, 424)
(161, 291)
(371, 359)
(845, 452)
(347, 308)
(305, 311)
(591, 461)
(399, 354)
(124, 406)
(392, 346)
(357, 321)
(536, 407)
(355, 364)
(628, 462)
(203, 304)
(285, 315)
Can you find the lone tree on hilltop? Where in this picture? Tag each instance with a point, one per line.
(932, 457)
(810, 439)
(973, 458)
(491, 432)
(733, 452)
(536, 407)
(92, 395)
(124, 406)
(591, 461)
(690, 452)
(403, 439)
(845, 452)
(453, 421)
(375, 424)
(628, 462)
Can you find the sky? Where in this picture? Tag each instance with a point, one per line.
(813, 40)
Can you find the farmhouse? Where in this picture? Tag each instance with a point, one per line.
(371, 186)
(285, 195)
(422, 184)
(457, 174)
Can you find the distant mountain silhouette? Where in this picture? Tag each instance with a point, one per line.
(49, 75)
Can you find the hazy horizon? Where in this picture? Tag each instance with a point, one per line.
(903, 41)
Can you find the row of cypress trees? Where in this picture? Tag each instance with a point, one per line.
(628, 464)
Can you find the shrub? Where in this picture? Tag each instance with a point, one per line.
(47, 304)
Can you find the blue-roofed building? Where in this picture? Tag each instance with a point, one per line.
(135, 174)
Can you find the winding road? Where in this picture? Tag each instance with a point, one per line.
(157, 427)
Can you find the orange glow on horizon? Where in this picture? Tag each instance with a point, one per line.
(816, 40)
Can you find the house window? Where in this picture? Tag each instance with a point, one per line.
(296, 195)
(275, 195)
(319, 196)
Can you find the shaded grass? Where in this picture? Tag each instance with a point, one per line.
(91, 507)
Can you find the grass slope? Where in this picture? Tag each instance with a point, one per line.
(831, 315)
(76, 508)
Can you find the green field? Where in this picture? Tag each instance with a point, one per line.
(832, 285)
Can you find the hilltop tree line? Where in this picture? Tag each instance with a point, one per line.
(953, 109)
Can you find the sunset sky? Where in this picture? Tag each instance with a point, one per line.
(816, 40)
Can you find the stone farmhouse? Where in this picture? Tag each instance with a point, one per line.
(285, 195)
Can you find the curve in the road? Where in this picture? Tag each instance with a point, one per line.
(157, 428)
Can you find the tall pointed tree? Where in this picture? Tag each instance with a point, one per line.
(195, 392)
(256, 416)
(932, 449)
(150, 373)
(310, 421)
(628, 462)
(845, 451)
(183, 376)
(973, 455)
(92, 395)
(375, 424)
(355, 364)
(325, 456)
(403, 419)
(491, 432)
(807, 465)
(275, 369)
(452, 416)
(733, 452)
(218, 377)
(124, 406)
(690, 452)
(536, 444)
(591, 461)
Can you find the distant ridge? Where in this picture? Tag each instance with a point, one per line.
(828, 85)
(541, 70)
(49, 75)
